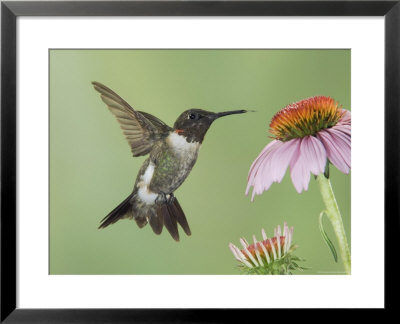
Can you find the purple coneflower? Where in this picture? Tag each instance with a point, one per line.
(306, 134)
(269, 256)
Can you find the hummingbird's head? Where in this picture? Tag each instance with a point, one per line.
(194, 123)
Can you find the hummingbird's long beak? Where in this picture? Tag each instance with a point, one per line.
(226, 113)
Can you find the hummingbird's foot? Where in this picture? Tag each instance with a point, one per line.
(170, 198)
(165, 198)
(161, 198)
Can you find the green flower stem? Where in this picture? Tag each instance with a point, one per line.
(333, 213)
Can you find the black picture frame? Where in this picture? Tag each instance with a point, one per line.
(11, 10)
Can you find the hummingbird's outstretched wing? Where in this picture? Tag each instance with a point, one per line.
(155, 121)
(141, 129)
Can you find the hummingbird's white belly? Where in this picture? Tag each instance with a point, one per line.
(144, 193)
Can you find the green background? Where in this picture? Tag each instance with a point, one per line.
(92, 170)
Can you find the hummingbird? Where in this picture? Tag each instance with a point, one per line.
(172, 154)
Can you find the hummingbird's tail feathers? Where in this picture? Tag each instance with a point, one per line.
(180, 217)
(170, 220)
(170, 214)
(123, 210)
(140, 221)
(156, 222)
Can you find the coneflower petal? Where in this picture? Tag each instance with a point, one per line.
(244, 243)
(278, 231)
(345, 119)
(336, 152)
(233, 250)
(267, 258)
(263, 177)
(260, 161)
(341, 135)
(255, 178)
(278, 243)
(290, 236)
(262, 155)
(273, 249)
(251, 257)
(299, 170)
(346, 129)
(243, 257)
(314, 154)
(280, 160)
(264, 235)
(285, 234)
(343, 142)
(254, 239)
(259, 257)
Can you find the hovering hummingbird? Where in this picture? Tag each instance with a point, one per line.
(173, 152)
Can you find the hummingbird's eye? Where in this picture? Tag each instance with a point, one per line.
(192, 116)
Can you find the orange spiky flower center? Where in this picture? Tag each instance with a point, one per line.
(267, 244)
(305, 117)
